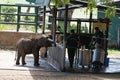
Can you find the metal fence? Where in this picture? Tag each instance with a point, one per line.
(19, 13)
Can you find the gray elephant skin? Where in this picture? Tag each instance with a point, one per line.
(31, 46)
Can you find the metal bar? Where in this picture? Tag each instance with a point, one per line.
(7, 13)
(19, 14)
(0, 12)
(18, 18)
(76, 19)
(36, 19)
(63, 8)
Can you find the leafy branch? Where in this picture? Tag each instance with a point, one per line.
(91, 5)
(110, 11)
(60, 2)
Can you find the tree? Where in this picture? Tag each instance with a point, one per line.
(59, 3)
(110, 11)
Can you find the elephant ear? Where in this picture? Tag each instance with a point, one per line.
(51, 42)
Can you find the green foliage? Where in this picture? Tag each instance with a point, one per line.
(2, 27)
(61, 24)
(10, 1)
(60, 2)
(91, 5)
(7, 47)
(113, 51)
(107, 2)
(32, 28)
(7, 27)
(73, 26)
(7, 9)
(29, 18)
(110, 12)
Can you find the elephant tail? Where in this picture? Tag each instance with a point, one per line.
(16, 55)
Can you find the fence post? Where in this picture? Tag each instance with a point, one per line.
(18, 18)
(36, 18)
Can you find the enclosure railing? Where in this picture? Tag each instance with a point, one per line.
(19, 13)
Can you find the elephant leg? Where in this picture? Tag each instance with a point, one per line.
(36, 58)
(45, 53)
(23, 59)
(18, 59)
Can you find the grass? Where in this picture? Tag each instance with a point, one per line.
(113, 51)
(7, 47)
(7, 27)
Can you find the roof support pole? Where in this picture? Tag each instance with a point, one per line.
(90, 23)
(106, 40)
(65, 32)
(53, 32)
(44, 15)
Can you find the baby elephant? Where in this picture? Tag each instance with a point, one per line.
(31, 46)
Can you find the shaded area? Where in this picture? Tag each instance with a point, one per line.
(113, 67)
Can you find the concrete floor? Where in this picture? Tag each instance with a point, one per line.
(113, 67)
(7, 62)
(9, 71)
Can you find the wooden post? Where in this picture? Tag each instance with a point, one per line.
(78, 26)
(118, 39)
(78, 32)
(106, 37)
(53, 32)
(44, 15)
(90, 23)
(65, 32)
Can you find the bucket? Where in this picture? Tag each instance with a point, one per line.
(98, 55)
(107, 61)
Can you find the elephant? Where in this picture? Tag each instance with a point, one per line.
(26, 46)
